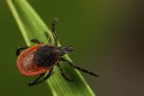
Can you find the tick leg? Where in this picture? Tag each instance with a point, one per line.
(35, 82)
(36, 41)
(78, 67)
(20, 48)
(48, 38)
(64, 76)
(53, 29)
(49, 74)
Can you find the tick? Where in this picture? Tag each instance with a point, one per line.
(39, 59)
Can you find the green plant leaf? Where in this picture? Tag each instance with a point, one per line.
(32, 26)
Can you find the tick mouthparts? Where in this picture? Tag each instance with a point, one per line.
(66, 49)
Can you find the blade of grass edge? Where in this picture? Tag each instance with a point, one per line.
(32, 26)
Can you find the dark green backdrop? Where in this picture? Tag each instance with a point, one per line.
(107, 36)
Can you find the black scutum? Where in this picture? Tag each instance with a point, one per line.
(46, 56)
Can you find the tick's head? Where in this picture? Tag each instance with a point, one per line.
(65, 50)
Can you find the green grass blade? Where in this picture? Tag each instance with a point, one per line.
(32, 26)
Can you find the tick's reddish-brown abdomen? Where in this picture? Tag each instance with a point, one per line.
(26, 65)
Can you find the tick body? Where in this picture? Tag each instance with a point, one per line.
(39, 59)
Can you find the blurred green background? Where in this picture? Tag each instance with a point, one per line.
(107, 36)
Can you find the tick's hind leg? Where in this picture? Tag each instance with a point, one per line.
(20, 48)
(48, 38)
(53, 29)
(36, 41)
(36, 81)
(78, 67)
(64, 76)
